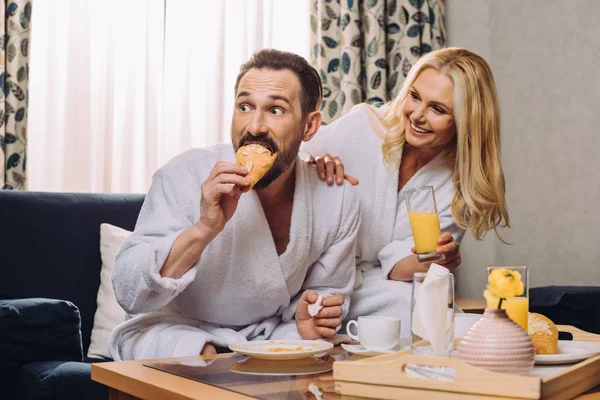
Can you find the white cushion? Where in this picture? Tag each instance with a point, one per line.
(109, 313)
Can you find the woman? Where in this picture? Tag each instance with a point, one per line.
(441, 130)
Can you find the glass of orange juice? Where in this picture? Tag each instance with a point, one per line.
(517, 307)
(424, 222)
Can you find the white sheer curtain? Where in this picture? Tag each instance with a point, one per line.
(120, 87)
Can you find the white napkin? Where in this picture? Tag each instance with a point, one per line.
(313, 309)
(431, 309)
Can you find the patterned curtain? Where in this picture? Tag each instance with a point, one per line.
(363, 49)
(15, 25)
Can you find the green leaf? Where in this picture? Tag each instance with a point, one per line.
(1, 121)
(24, 21)
(376, 80)
(356, 41)
(404, 16)
(397, 59)
(367, 24)
(406, 66)
(392, 7)
(323, 104)
(345, 63)
(345, 21)
(330, 13)
(389, 45)
(413, 31)
(381, 63)
(325, 24)
(333, 65)
(372, 47)
(13, 161)
(431, 16)
(335, 81)
(392, 82)
(18, 92)
(313, 24)
(420, 17)
(333, 108)
(355, 96)
(21, 74)
(343, 99)
(350, 4)
(323, 76)
(329, 42)
(12, 52)
(8, 108)
(393, 28)
(18, 179)
(25, 47)
(417, 3)
(9, 138)
(326, 92)
(376, 101)
(372, 3)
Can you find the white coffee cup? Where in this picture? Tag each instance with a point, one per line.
(376, 332)
(463, 322)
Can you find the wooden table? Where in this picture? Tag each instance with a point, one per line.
(132, 380)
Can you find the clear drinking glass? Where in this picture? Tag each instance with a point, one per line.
(432, 314)
(424, 223)
(517, 307)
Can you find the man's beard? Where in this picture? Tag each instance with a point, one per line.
(285, 157)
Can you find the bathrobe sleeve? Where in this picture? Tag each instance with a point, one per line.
(403, 241)
(335, 270)
(167, 211)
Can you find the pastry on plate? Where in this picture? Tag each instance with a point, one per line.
(257, 159)
(543, 334)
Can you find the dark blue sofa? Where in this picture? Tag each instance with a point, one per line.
(50, 249)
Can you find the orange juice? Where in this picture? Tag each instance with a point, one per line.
(426, 230)
(517, 309)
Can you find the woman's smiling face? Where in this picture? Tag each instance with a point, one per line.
(428, 111)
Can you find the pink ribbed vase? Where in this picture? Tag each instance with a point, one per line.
(496, 343)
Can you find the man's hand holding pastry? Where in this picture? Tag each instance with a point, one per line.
(220, 195)
(325, 322)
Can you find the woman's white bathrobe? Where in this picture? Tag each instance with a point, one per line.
(385, 236)
(240, 289)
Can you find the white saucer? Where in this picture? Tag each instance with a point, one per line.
(360, 350)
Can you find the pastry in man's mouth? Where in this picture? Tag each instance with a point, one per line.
(257, 159)
(543, 333)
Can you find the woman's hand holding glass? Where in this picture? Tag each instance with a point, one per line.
(450, 248)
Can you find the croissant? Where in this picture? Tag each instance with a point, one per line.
(257, 159)
(543, 334)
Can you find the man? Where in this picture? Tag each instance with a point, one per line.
(209, 265)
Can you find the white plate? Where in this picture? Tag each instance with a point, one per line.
(361, 351)
(305, 366)
(569, 352)
(281, 349)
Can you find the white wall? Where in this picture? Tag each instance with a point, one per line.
(545, 56)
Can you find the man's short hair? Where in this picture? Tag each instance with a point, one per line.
(310, 82)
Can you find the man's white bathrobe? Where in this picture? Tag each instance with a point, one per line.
(240, 289)
(385, 236)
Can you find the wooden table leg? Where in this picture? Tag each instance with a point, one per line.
(114, 394)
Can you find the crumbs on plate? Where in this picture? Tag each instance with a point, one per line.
(285, 349)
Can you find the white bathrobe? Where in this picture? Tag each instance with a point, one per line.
(385, 236)
(240, 289)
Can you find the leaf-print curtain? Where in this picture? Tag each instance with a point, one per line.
(15, 21)
(363, 49)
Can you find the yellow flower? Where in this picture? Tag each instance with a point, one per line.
(504, 283)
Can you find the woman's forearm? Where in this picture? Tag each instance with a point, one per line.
(405, 268)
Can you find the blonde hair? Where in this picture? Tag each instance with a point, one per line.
(479, 203)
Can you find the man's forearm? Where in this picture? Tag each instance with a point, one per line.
(405, 268)
(186, 252)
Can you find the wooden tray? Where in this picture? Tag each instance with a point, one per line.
(384, 377)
